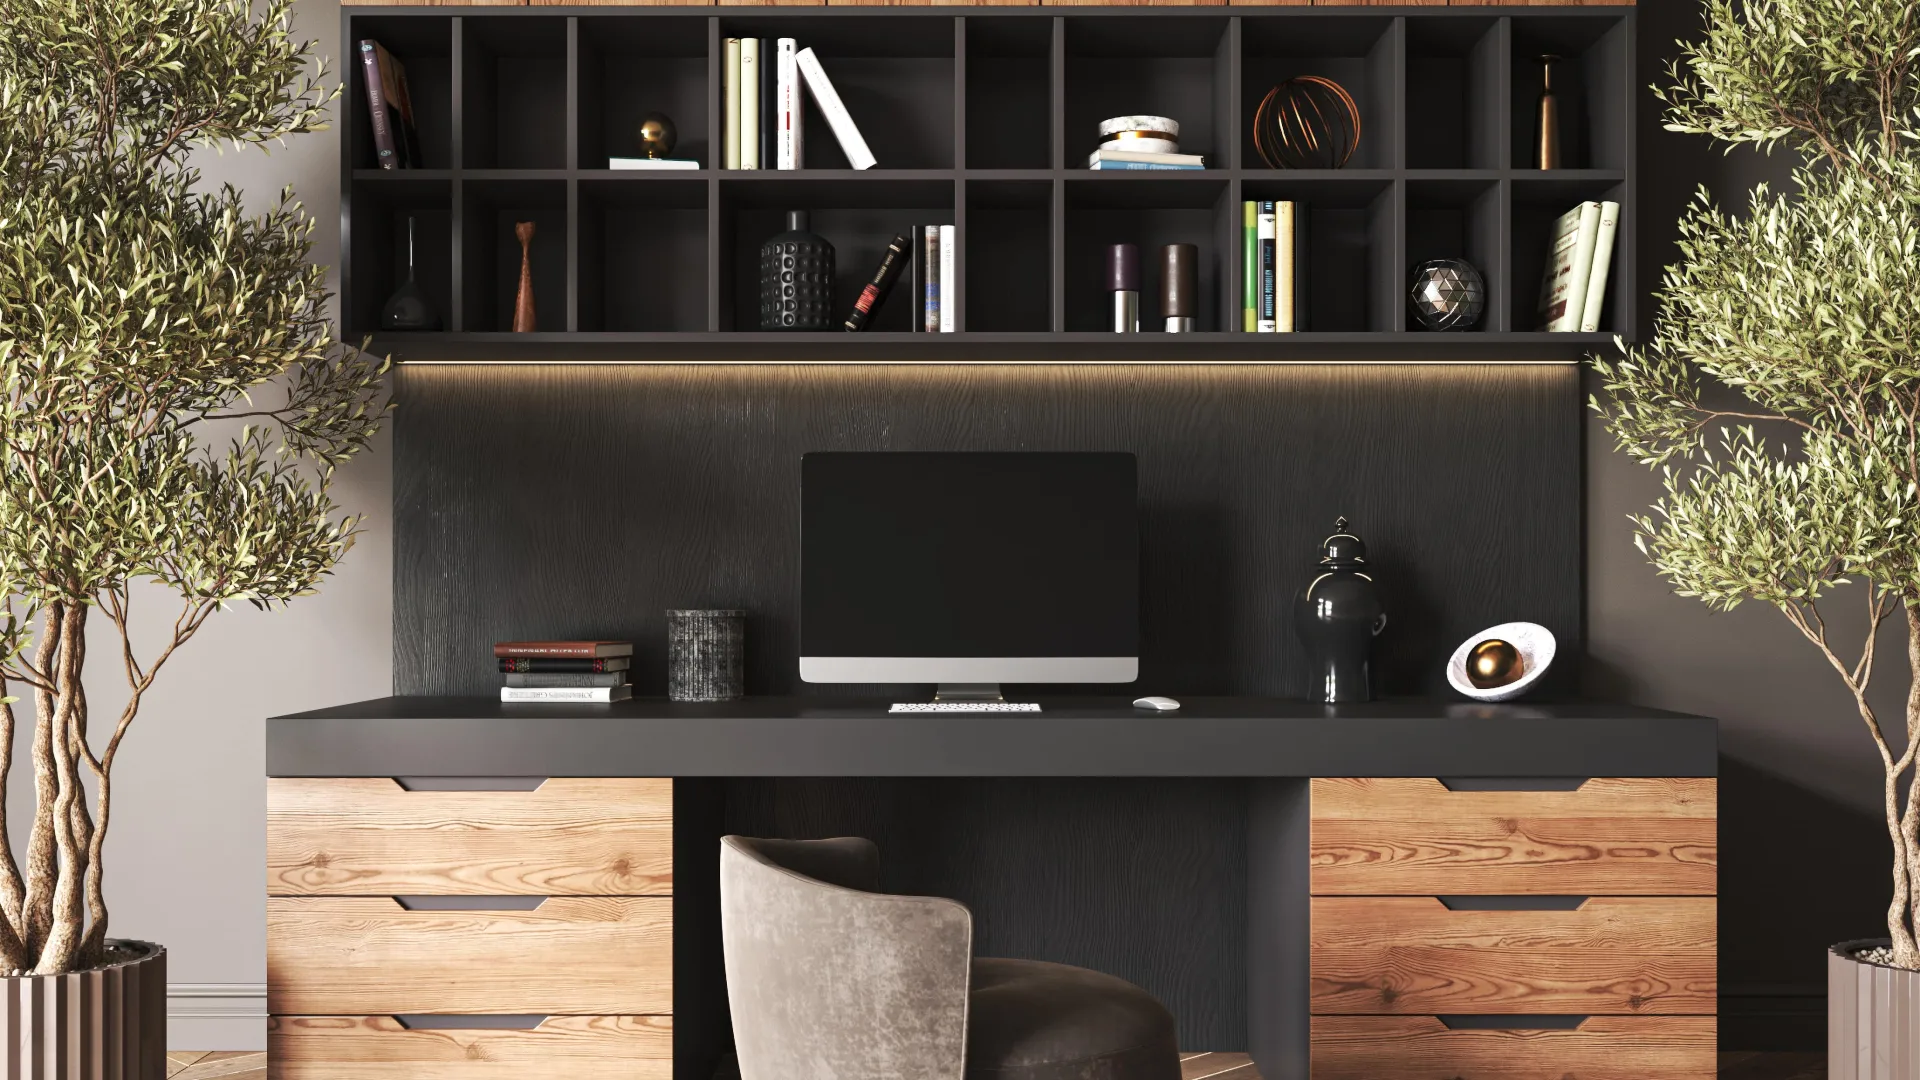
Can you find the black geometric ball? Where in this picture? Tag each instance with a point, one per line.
(1448, 294)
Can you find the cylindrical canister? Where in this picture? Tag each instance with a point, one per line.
(1123, 281)
(1179, 286)
(706, 654)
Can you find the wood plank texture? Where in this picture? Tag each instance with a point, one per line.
(381, 1048)
(1412, 836)
(1411, 955)
(573, 836)
(1602, 1048)
(1242, 471)
(583, 955)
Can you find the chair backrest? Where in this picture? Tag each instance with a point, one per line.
(831, 981)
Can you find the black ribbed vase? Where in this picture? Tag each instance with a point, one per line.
(796, 279)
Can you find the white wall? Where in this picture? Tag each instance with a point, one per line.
(186, 853)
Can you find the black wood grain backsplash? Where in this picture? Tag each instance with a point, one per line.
(581, 501)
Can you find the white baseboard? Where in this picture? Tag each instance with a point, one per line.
(217, 1016)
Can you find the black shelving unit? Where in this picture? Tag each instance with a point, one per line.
(979, 118)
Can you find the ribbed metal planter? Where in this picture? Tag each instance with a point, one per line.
(1873, 1017)
(106, 1024)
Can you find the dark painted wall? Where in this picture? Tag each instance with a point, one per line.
(1803, 855)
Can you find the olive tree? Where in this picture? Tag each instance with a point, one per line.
(1780, 393)
(139, 310)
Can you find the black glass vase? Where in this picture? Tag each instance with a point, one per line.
(796, 279)
(408, 308)
(1337, 616)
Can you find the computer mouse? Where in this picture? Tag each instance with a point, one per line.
(1159, 704)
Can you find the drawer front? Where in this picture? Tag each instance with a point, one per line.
(1412, 955)
(572, 836)
(1601, 1048)
(1414, 837)
(576, 955)
(383, 1048)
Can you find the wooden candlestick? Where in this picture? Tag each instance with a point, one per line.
(523, 320)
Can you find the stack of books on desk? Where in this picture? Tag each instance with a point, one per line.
(565, 670)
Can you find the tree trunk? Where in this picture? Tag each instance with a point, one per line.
(64, 934)
(42, 861)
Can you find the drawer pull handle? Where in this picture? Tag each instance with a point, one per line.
(470, 783)
(492, 1021)
(1512, 783)
(1512, 903)
(1510, 1022)
(470, 903)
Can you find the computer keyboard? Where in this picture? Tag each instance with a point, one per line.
(964, 706)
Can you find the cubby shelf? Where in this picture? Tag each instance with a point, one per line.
(977, 118)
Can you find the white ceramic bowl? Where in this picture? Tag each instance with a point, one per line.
(1536, 646)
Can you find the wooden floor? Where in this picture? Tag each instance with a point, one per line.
(220, 1064)
(1745, 1065)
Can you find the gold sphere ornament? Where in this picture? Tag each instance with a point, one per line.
(656, 135)
(1494, 662)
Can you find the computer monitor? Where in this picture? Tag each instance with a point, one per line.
(969, 569)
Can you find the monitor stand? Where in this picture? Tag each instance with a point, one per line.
(968, 692)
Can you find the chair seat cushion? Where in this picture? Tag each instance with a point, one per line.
(1031, 1020)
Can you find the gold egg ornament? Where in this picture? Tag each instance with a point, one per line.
(656, 135)
(1494, 662)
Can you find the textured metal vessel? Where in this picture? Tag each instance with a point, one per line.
(706, 655)
(796, 279)
(106, 1024)
(1873, 1017)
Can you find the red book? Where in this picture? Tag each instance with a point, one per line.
(563, 648)
(577, 665)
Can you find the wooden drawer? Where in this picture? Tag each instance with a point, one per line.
(1412, 955)
(579, 955)
(569, 837)
(382, 1048)
(1401, 837)
(1601, 1048)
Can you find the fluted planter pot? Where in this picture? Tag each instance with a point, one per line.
(1873, 1017)
(106, 1024)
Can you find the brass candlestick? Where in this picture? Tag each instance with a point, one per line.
(523, 320)
(1547, 149)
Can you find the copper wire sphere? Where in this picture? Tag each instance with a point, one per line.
(1307, 122)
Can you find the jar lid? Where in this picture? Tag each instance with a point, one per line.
(1342, 548)
(1140, 123)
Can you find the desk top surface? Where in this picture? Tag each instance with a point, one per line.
(808, 736)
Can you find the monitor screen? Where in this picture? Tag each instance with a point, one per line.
(969, 567)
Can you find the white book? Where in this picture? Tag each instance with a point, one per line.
(730, 142)
(1602, 264)
(749, 103)
(566, 693)
(786, 95)
(1264, 226)
(838, 119)
(1563, 285)
(1283, 269)
(1145, 157)
(651, 163)
(949, 280)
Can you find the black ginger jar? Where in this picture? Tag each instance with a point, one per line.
(1337, 617)
(796, 279)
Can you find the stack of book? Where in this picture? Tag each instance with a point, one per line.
(565, 670)
(933, 279)
(1274, 252)
(396, 142)
(763, 127)
(1579, 256)
(1141, 142)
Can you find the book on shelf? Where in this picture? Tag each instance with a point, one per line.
(769, 110)
(1143, 159)
(1602, 265)
(1274, 292)
(561, 680)
(831, 108)
(641, 163)
(1285, 216)
(749, 103)
(1250, 266)
(1264, 227)
(730, 101)
(589, 649)
(930, 273)
(949, 281)
(553, 665)
(566, 693)
(1563, 286)
(787, 105)
(396, 142)
(880, 286)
